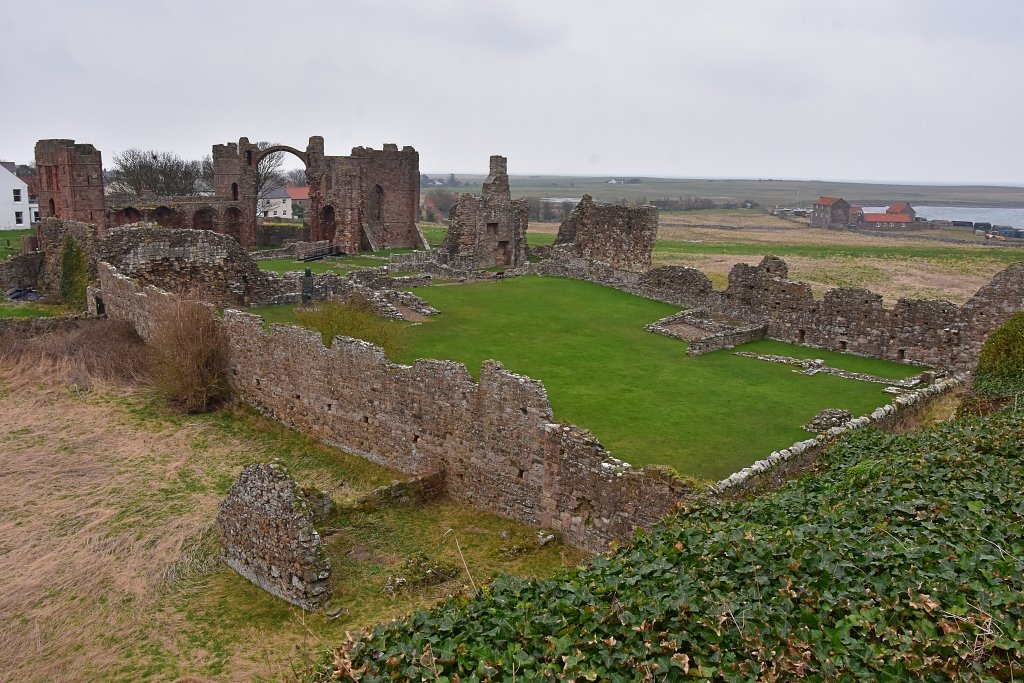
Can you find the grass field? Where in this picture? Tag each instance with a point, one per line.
(109, 555)
(29, 309)
(638, 392)
(10, 241)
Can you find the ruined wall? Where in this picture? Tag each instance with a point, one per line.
(218, 214)
(935, 333)
(618, 235)
(489, 230)
(52, 233)
(21, 270)
(266, 532)
(494, 440)
(208, 265)
(70, 181)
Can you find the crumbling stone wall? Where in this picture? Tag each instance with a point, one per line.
(490, 230)
(618, 235)
(21, 270)
(935, 333)
(205, 264)
(266, 532)
(52, 233)
(495, 439)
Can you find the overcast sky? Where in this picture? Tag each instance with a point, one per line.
(876, 90)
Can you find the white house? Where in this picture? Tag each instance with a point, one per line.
(15, 210)
(276, 204)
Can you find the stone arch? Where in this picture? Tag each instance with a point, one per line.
(204, 219)
(232, 224)
(167, 217)
(328, 223)
(128, 215)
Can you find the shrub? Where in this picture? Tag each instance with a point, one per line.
(1000, 369)
(188, 357)
(74, 274)
(354, 318)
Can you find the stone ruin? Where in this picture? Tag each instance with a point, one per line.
(620, 236)
(366, 201)
(490, 230)
(266, 531)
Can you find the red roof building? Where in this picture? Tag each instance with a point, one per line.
(830, 212)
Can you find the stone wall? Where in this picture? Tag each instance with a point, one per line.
(618, 235)
(207, 265)
(495, 439)
(489, 230)
(274, 236)
(52, 233)
(266, 533)
(935, 333)
(413, 491)
(781, 466)
(21, 270)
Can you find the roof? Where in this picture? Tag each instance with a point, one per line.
(856, 210)
(827, 201)
(888, 218)
(298, 193)
(899, 207)
(276, 193)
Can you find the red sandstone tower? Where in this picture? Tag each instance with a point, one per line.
(70, 181)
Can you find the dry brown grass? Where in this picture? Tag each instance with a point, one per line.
(188, 357)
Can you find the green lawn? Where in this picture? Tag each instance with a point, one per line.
(639, 392)
(29, 309)
(10, 241)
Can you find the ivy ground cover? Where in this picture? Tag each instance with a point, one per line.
(902, 560)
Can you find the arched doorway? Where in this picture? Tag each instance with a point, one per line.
(204, 219)
(167, 217)
(233, 222)
(53, 207)
(328, 223)
(129, 215)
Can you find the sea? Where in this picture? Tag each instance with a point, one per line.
(974, 214)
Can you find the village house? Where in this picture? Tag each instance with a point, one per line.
(15, 211)
(898, 215)
(830, 212)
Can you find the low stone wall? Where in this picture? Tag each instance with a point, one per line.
(430, 261)
(414, 491)
(266, 533)
(287, 250)
(494, 439)
(280, 235)
(727, 339)
(781, 466)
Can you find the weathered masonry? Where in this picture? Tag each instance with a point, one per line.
(618, 235)
(489, 230)
(936, 333)
(495, 440)
(368, 200)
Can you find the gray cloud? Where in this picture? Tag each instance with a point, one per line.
(920, 90)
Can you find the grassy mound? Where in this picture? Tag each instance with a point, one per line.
(1001, 362)
(903, 560)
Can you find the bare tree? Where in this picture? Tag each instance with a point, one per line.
(162, 173)
(296, 176)
(269, 176)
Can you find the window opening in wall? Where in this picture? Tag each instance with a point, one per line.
(492, 228)
(802, 334)
(901, 354)
(257, 382)
(19, 218)
(17, 195)
(234, 191)
(366, 419)
(329, 407)
(248, 157)
(522, 473)
(842, 345)
(415, 438)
